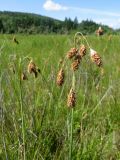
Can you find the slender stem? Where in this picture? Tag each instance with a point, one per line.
(22, 112)
(79, 33)
(71, 135)
(3, 135)
(71, 122)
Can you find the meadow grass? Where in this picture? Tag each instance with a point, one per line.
(36, 123)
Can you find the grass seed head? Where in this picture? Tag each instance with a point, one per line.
(71, 101)
(60, 77)
(75, 64)
(15, 40)
(24, 76)
(96, 58)
(72, 53)
(32, 68)
(82, 50)
(99, 32)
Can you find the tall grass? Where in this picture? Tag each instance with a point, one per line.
(35, 120)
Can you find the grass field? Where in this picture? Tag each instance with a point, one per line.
(36, 123)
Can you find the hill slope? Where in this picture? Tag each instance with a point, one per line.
(17, 22)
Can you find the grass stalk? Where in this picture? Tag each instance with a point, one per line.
(71, 134)
(71, 123)
(22, 114)
(22, 118)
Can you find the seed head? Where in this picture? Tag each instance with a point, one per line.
(23, 76)
(99, 32)
(32, 68)
(72, 53)
(82, 50)
(75, 64)
(60, 77)
(95, 58)
(15, 40)
(71, 99)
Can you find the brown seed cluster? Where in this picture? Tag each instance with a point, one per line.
(96, 58)
(72, 53)
(99, 32)
(32, 68)
(75, 64)
(82, 50)
(15, 40)
(60, 77)
(78, 55)
(71, 99)
(24, 76)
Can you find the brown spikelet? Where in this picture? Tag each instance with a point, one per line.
(99, 32)
(71, 99)
(60, 77)
(97, 59)
(82, 50)
(23, 76)
(75, 64)
(72, 53)
(32, 68)
(15, 40)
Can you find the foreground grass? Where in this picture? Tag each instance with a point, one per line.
(35, 121)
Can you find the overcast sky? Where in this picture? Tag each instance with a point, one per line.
(101, 11)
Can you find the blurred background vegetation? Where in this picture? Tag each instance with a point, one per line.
(16, 22)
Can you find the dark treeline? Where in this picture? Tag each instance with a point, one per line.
(16, 22)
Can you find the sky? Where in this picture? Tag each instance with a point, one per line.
(101, 11)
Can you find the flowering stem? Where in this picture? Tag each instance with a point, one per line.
(22, 112)
(79, 33)
(71, 134)
(71, 121)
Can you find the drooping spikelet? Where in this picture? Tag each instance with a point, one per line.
(72, 53)
(82, 50)
(60, 77)
(32, 68)
(23, 76)
(99, 32)
(71, 99)
(95, 58)
(75, 64)
(15, 40)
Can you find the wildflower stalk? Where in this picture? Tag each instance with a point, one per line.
(71, 134)
(71, 122)
(79, 33)
(22, 113)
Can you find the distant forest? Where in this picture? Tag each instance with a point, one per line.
(27, 23)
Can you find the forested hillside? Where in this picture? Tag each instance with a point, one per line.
(16, 22)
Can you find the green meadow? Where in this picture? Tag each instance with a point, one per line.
(36, 123)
